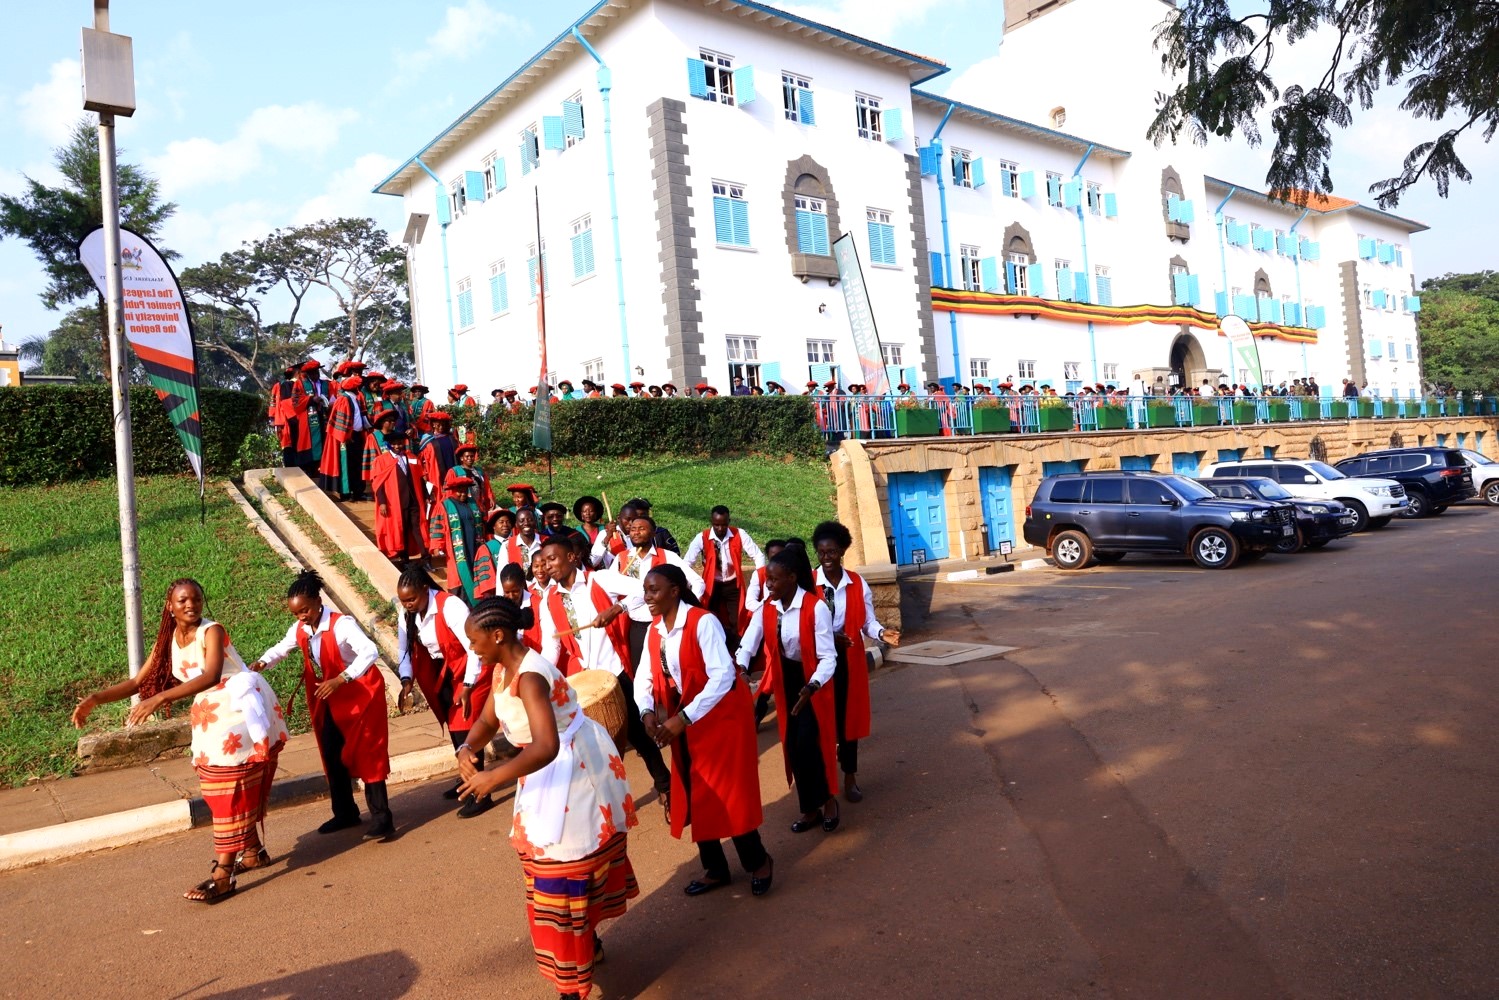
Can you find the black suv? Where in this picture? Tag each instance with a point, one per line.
(1317, 521)
(1434, 478)
(1081, 516)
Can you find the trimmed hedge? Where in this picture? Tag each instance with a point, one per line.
(725, 425)
(52, 433)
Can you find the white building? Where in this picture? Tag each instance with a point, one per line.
(693, 162)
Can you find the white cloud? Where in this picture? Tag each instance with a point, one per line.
(348, 193)
(464, 31)
(301, 130)
(48, 110)
(877, 20)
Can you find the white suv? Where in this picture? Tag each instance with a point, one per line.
(1485, 475)
(1373, 501)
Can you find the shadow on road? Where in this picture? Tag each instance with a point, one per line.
(382, 976)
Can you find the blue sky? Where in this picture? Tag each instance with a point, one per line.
(274, 114)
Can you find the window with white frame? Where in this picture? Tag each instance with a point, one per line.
(881, 237)
(465, 303)
(1025, 369)
(1243, 376)
(892, 354)
(720, 73)
(1104, 285)
(867, 115)
(1410, 352)
(744, 359)
(1269, 376)
(530, 148)
(820, 352)
(968, 258)
(490, 187)
(812, 226)
(1367, 295)
(730, 215)
(457, 196)
(1111, 371)
(978, 368)
(581, 245)
(1054, 185)
(593, 369)
(796, 100)
(1019, 273)
(1063, 269)
(573, 136)
(1095, 198)
(1009, 175)
(499, 289)
(962, 167)
(1072, 370)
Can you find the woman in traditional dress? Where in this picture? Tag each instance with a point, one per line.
(687, 678)
(237, 732)
(796, 630)
(572, 799)
(851, 602)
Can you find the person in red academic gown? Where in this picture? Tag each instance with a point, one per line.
(457, 534)
(693, 700)
(341, 470)
(400, 503)
(466, 459)
(458, 396)
(420, 409)
(438, 452)
(346, 698)
(292, 403)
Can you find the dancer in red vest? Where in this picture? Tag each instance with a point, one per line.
(346, 698)
(400, 503)
(513, 588)
(721, 549)
(644, 555)
(688, 679)
(796, 630)
(436, 657)
(851, 602)
(754, 599)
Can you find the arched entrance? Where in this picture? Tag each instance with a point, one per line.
(1187, 360)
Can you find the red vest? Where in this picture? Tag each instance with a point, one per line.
(822, 700)
(856, 705)
(572, 651)
(357, 708)
(454, 665)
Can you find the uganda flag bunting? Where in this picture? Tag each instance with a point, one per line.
(156, 324)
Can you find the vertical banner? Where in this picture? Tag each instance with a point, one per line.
(541, 426)
(157, 325)
(1245, 351)
(860, 317)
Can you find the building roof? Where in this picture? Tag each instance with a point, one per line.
(596, 21)
(936, 102)
(1318, 203)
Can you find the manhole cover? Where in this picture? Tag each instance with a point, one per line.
(937, 652)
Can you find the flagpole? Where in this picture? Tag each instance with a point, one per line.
(541, 427)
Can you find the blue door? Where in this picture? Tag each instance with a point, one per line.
(1049, 469)
(1230, 454)
(1137, 463)
(918, 512)
(1184, 463)
(999, 512)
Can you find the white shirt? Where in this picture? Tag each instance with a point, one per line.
(726, 569)
(356, 649)
(720, 667)
(598, 651)
(755, 594)
(636, 564)
(600, 556)
(359, 423)
(790, 627)
(872, 627)
(455, 613)
(520, 544)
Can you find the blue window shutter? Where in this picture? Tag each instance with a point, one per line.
(803, 231)
(466, 308)
(1374, 349)
(1293, 314)
(931, 160)
(576, 246)
(770, 371)
(1220, 303)
(495, 281)
(1065, 287)
(1028, 184)
(1072, 194)
(989, 274)
(444, 209)
(892, 372)
(473, 184)
(889, 244)
(499, 175)
(1172, 211)
(744, 85)
(528, 160)
(1179, 288)
(1413, 303)
(820, 234)
(723, 220)
(1378, 298)
(876, 243)
(893, 121)
(1110, 206)
(1035, 279)
(1194, 289)
(588, 251)
(697, 77)
(1011, 278)
(1006, 181)
(934, 263)
(1246, 308)
(804, 109)
(1274, 307)
(1385, 254)
(1187, 212)
(976, 171)
(1366, 249)
(1080, 287)
(741, 223)
(1053, 190)
(551, 132)
(572, 119)
(1105, 291)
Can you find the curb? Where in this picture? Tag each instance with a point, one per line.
(134, 826)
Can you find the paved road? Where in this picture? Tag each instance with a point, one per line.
(1278, 780)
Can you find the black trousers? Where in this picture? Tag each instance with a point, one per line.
(803, 748)
(650, 754)
(341, 783)
(724, 605)
(748, 846)
(848, 750)
(354, 450)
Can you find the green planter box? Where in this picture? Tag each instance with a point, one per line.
(1410, 408)
(1490, 406)
(1111, 418)
(991, 420)
(1279, 413)
(1160, 416)
(1206, 416)
(1310, 410)
(1055, 418)
(1338, 410)
(1245, 413)
(916, 422)
(1363, 409)
(1470, 407)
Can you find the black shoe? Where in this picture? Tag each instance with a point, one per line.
(475, 807)
(381, 831)
(760, 886)
(338, 823)
(452, 793)
(803, 825)
(829, 825)
(697, 888)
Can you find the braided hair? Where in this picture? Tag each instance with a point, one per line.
(156, 674)
(413, 577)
(793, 559)
(307, 584)
(500, 613)
(674, 577)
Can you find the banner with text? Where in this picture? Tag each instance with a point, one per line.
(1246, 352)
(157, 325)
(861, 317)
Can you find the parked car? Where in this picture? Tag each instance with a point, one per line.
(1375, 501)
(1434, 478)
(1317, 521)
(1081, 516)
(1485, 475)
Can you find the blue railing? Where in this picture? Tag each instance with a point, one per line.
(874, 417)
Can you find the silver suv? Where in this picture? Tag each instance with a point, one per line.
(1373, 501)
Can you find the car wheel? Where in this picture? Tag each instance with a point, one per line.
(1491, 493)
(1250, 555)
(1286, 546)
(1215, 548)
(1317, 543)
(1419, 506)
(1108, 558)
(1438, 510)
(1072, 550)
(1380, 522)
(1360, 513)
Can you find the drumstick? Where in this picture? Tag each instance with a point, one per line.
(607, 515)
(572, 630)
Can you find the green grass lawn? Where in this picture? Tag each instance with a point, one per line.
(769, 498)
(61, 610)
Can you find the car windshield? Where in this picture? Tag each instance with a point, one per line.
(1269, 490)
(1324, 470)
(1189, 488)
(1477, 457)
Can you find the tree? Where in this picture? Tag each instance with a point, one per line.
(54, 220)
(1445, 56)
(226, 300)
(73, 348)
(1459, 330)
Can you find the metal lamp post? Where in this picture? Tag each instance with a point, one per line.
(109, 89)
